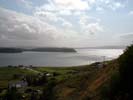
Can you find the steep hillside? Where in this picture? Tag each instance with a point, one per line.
(87, 83)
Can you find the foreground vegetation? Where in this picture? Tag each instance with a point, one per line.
(112, 81)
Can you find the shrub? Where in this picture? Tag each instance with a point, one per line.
(126, 71)
(120, 85)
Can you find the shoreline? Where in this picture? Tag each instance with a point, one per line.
(32, 66)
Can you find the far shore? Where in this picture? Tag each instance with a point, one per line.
(20, 50)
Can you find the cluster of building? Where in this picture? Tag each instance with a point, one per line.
(20, 66)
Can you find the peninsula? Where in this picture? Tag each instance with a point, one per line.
(43, 49)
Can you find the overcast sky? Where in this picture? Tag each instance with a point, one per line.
(70, 23)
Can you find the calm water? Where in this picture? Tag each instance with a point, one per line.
(82, 57)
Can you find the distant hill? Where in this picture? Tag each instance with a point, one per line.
(104, 47)
(53, 49)
(20, 50)
(10, 50)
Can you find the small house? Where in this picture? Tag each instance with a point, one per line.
(17, 84)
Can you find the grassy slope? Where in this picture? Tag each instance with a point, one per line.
(73, 83)
(102, 79)
(86, 82)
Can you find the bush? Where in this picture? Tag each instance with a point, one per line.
(126, 71)
(120, 85)
(111, 90)
(12, 94)
(48, 93)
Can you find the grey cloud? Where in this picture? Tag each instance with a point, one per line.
(17, 29)
(22, 29)
(13, 28)
(126, 38)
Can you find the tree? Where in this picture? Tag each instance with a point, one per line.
(48, 90)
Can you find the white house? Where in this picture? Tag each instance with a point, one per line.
(18, 84)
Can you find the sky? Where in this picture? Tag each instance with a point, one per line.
(66, 23)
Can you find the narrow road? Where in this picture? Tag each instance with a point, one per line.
(33, 70)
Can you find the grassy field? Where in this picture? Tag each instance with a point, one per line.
(6, 74)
